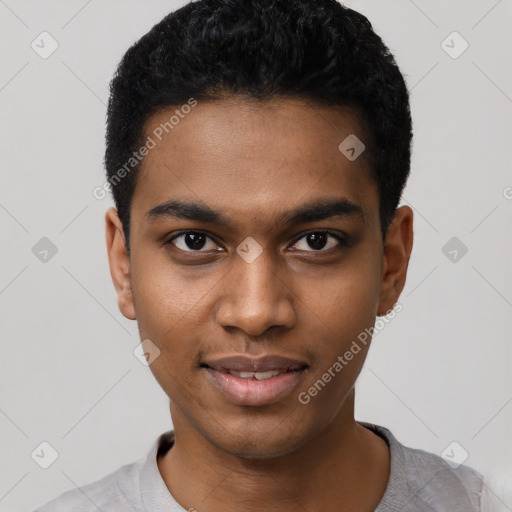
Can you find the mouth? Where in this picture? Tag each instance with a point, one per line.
(255, 382)
(257, 375)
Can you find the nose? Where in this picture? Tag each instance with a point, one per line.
(255, 297)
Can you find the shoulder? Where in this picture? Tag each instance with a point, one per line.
(439, 484)
(106, 493)
(423, 481)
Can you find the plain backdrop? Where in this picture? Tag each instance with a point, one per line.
(438, 373)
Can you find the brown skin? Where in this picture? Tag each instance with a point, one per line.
(252, 162)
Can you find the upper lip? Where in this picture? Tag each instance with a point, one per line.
(260, 364)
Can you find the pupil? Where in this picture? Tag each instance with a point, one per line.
(195, 240)
(317, 240)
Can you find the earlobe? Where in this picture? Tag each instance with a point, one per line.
(397, 252)
(119, 263)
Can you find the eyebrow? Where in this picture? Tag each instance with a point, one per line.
(312, 211)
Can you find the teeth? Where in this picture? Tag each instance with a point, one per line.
(256, 375)
(265, 375)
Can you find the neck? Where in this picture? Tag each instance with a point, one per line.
(345, 467)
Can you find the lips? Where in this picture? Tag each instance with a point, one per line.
(262, 364)
(255, 382)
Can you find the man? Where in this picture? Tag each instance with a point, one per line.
(257, 152)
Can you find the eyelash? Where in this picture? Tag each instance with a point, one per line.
(342, 240)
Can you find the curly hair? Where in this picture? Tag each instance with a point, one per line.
(316, 50)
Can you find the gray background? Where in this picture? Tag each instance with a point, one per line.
(437, 373)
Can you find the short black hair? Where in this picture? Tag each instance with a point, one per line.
(316, 50)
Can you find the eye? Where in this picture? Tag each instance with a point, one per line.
(193, 241)
(319, 241)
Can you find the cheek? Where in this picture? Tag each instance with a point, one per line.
(339, 312)
(172, 311)
(166, 301)
(346, 302)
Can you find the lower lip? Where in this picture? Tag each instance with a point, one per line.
(256, 392)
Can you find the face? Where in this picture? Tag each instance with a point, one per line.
(256, 261)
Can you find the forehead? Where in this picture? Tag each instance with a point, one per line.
(247, 158)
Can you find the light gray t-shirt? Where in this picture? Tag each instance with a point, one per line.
(419, 482)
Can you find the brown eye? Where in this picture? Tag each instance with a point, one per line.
(319, 241)
(193, 241)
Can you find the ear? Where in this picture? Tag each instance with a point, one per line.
(397, 251)
(119, 262)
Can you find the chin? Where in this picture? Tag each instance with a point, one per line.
(260, 443)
